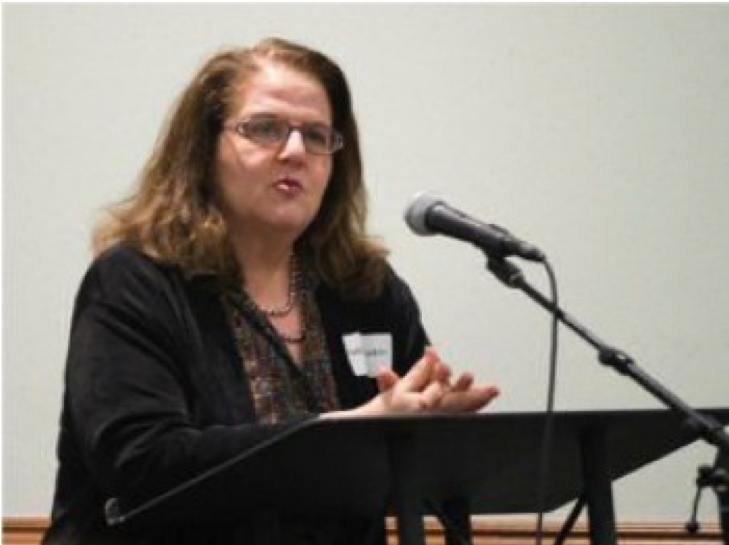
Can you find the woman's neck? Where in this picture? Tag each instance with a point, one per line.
(265, 268)
(269, 275)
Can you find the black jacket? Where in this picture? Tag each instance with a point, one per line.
(155, 393)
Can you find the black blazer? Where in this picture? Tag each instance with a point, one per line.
(155, 393)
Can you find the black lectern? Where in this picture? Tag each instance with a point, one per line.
(375, 466)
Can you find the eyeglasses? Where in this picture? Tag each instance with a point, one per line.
(269, 130)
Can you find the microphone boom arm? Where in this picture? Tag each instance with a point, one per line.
(708, 428)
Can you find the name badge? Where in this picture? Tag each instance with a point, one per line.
(368, 353)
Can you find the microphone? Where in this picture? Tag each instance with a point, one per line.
(429, 215)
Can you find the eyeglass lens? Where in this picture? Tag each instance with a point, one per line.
(318, 138)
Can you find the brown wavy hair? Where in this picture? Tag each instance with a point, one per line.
(174, 216)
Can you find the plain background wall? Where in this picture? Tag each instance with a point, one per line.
(599, 132)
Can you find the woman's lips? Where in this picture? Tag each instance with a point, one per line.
(290, 186)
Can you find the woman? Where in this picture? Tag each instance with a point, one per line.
(215, 313)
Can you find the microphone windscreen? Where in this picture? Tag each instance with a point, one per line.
(417, 211)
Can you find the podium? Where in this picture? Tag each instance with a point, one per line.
(372, 467)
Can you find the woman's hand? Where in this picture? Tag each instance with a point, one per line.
(426, 388)
(464, 397)
(420, 390)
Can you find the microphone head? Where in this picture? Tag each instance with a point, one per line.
(417, 211)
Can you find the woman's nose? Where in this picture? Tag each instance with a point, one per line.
(293, 146)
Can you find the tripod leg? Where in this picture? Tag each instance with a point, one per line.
(564, 532)
(721, 487)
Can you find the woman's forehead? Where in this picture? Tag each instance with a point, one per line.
(277, 87)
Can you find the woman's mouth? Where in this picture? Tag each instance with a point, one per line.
(289, 186)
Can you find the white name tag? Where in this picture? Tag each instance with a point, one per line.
(368, 353)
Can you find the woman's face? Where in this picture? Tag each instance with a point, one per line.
(273, 190)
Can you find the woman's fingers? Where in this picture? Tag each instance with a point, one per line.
(475, 399)
(431, 397)
(482, 397)
(427, 388)
(386, 379)
(464, 382)
(421, 375)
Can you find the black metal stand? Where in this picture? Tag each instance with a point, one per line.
(367, 468)
(569, 523)
(715, 477)
(407, 505)
(708, 428)
(721, 488)
(598, 488)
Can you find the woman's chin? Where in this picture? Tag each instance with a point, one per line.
(289, 225)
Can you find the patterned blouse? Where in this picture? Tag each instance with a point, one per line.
(280, 388)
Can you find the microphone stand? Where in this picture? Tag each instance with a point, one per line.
(720, 485)
(715, 477)
(708, 428)
(705, 426)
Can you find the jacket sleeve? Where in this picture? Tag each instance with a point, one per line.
(128, 389)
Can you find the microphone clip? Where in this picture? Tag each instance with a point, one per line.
(509, 274)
